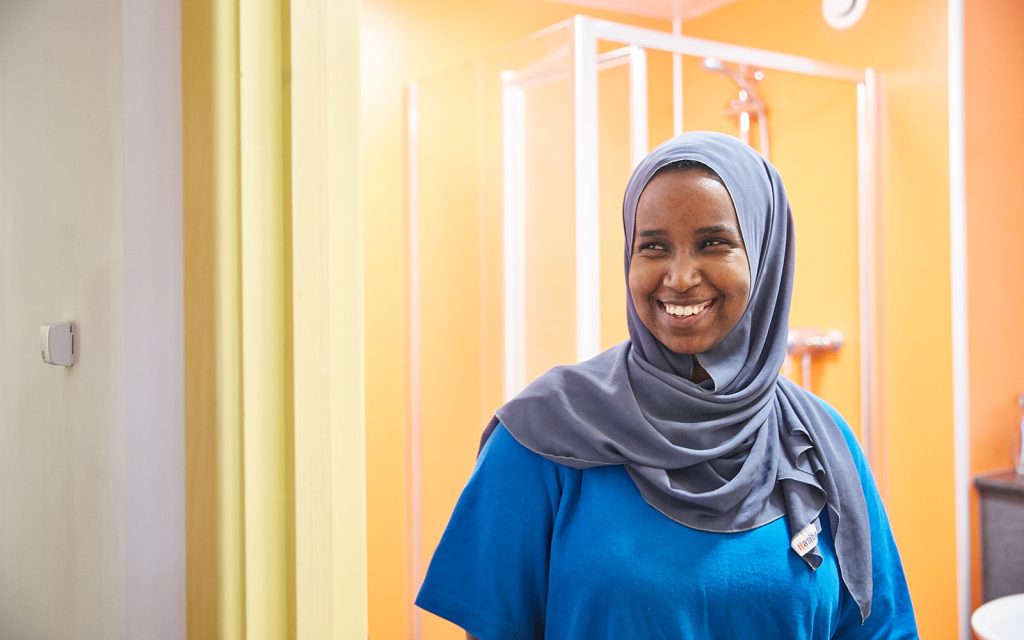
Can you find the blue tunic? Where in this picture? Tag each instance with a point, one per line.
(535, 550)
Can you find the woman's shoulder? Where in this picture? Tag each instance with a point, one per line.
(500, 443)
(844, 426)
(514, 478)
(502, 448)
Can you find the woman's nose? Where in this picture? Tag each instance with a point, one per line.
(683, 273)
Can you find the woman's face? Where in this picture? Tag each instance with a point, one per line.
(688, 277)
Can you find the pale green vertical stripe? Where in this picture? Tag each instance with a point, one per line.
(312, 322)
(264, 310)
(348, 446)
(330, 511)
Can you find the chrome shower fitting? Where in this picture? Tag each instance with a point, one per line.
(807, 342)
(749, 101)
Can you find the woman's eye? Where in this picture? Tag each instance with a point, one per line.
(712, 242)
(652, 246)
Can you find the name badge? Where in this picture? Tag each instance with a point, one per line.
(807, 539)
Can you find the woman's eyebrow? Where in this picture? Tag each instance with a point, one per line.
(647, 233)
(718, 228)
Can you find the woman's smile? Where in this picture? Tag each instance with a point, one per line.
(685, 309)
(686, 319)
(678, 318)
(681, 310)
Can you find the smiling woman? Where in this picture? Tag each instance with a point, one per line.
(675, 485)
(689, 278)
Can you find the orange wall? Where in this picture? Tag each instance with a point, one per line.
(994, 51)
(915, 258)
(406, 40)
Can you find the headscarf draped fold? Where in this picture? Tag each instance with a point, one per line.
(745, 448)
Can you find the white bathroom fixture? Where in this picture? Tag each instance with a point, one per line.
(843, 14)
(805, 343)
(57, 343)
(999, 619)
(748, 102)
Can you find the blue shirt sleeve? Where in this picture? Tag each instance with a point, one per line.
(892, 614)
(489, 573)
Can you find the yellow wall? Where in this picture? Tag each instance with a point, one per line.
(274, 392)
(460, 265)
(993, 37)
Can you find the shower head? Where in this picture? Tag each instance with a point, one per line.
(749, 101)
(745, 77)
(742, 75)
(713, 64)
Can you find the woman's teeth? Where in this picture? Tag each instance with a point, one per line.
(686, 310)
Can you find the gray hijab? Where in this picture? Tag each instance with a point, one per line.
(741, 450)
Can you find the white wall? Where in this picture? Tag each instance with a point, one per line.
(91, 458)
(153, 298)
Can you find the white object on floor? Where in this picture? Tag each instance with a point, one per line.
(1000, 619)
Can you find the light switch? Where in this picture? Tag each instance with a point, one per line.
(57, 343)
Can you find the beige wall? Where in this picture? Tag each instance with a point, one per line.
(91, 483)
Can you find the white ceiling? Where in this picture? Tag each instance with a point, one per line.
(663, 9)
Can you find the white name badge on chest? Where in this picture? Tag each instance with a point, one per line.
(806, 539)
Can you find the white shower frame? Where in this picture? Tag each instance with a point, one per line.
(587, 32)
